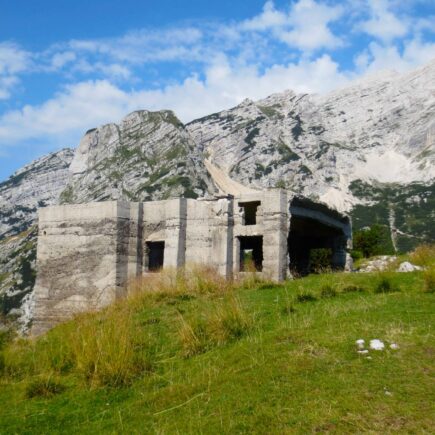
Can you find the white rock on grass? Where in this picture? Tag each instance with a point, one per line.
(360, 343)
(406, 266)
(376, 344)
(394, 346)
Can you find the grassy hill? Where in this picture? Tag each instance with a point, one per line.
(197, 355)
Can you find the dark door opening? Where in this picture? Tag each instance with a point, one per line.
(310, 245)
(156, 255)
(251, 253)
(250, 212)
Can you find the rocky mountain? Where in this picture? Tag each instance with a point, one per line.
(368, 149)
(379, 130)
(35, 185)
(355, 148)
(149, 155)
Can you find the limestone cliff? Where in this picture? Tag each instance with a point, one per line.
(379, 132)
(149, 155)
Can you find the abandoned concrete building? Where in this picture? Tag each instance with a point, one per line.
(86, 253)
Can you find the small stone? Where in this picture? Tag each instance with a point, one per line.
(363, 352)
(360, 343)
(376, 344)
(394, 346)
(406, 266)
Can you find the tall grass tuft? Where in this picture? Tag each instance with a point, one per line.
(423, 255)
(43, 386)
(305, 296)
(429, 280)
(110, 349)
(175, 283)
(384, 284)
(105, 348)
(225, 322)
(229, 321)
(328, 291)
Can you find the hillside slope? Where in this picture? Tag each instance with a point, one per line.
(262, 358)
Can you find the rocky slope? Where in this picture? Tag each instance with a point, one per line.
(35, 185)
(379, 132)
(149, 155)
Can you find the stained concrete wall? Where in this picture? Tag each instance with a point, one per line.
(87, 253)
(81, 259)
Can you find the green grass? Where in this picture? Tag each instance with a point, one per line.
(269, 360)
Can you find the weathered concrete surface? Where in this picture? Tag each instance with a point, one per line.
(86, 253)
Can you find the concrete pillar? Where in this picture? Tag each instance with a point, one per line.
(275, 232)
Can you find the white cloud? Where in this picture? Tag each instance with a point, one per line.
(59, 60)
(80, 105)
(310, 22)
(88, 104)
(269, 18)
(306, 26)
(13, 60)
(383, 23)
(378, 57)
(144, 45)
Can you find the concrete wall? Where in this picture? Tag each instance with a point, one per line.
(87, 253)
(81, 259)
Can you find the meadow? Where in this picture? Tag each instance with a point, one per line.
(188, 352)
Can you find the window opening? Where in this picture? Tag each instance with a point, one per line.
(250, 212)
(156, 254)
(251, 253)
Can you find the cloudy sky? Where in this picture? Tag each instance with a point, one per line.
(70, 65)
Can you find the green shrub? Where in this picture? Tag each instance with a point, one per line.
(356, 255)
(43, 387)
(375, 240)
(320, 260)
(385, 285)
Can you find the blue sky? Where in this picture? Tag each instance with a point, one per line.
(70, 65)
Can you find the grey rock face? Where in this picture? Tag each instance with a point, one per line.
(381, 129)
(35, 185)
(150, 155)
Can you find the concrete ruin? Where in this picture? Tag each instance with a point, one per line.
(86, 253)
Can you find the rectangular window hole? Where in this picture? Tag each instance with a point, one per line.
(155, 254)
(251, 253)
(250, 212)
